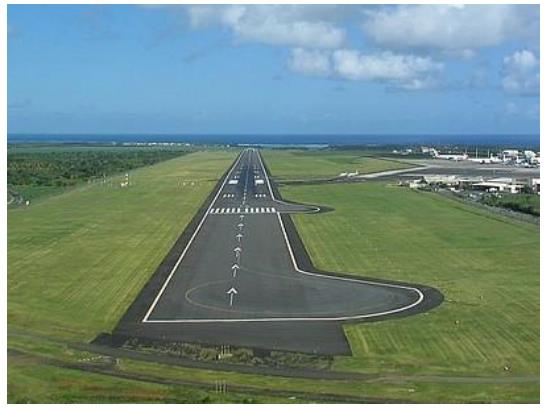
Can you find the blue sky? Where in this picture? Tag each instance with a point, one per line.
(273, 69)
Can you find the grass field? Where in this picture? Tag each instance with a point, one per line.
(77, 260)
(312, 164)
(487, 268)
(31, 381)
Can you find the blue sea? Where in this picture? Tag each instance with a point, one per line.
(516, 141)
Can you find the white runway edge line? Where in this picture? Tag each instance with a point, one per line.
(294, 319)
(154, 303)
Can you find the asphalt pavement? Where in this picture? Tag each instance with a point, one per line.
(240, 276)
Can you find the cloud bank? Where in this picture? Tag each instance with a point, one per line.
(403, 45)
(456, 28)
(404, 71)
(270, 24)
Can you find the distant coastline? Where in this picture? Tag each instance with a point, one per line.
(519, 141)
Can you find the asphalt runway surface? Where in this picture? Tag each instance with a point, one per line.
(240, 275)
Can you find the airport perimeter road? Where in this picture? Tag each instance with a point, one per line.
(237, 280)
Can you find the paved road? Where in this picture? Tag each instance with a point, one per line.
(448, 167)
(237, 280)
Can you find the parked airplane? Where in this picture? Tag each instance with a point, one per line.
(455, 157)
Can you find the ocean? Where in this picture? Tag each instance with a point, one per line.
(516, 141)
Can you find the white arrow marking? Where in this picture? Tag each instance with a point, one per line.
(239, 236)
(231, 293)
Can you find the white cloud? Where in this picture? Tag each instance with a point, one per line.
(272, 24)
(521, 73)
(405, 71)
(449, 28)
(312, 62)
(401, 71)
(523, 60)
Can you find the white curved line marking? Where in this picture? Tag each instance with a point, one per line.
(289, 247)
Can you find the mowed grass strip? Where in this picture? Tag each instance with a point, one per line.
(487, 268)
(314, 164)
(76, 261)
(375, 390)
(32, 381)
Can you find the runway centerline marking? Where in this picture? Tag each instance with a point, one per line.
(231, 293)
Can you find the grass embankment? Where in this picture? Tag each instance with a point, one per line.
(313, 164)
(487, 267)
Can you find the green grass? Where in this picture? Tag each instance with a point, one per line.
(382, 388)
(487, 268)
(313, 164)
(389, 388)
(32, 381)
(77, 260)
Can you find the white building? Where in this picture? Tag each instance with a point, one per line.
(498, 185)
(510, 153)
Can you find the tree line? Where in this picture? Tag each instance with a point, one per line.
(65, 168)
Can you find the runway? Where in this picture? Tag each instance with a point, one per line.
(240, 276)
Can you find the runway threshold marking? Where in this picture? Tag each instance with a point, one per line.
(235, 211)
